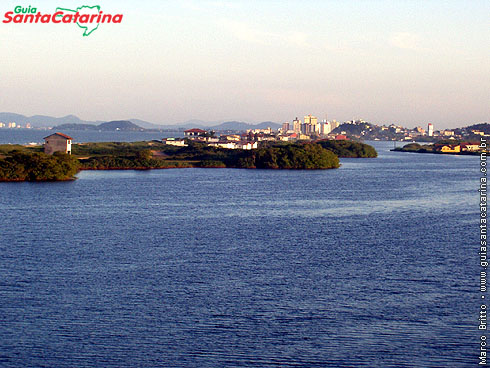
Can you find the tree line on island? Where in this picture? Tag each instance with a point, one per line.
(30, 164)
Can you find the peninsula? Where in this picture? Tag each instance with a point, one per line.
(446, 147)
(22, 163)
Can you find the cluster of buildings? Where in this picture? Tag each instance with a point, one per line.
(308, 129)
(13, 125)
(457, 148)
(421, 132)
(396, 132)
(310, 126)
(230, 141)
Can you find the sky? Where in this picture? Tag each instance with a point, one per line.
(393, 61)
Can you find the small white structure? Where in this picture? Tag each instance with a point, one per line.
(174, 142)
(223, 144)
(57, 142)
(234, 145)
(246, 145)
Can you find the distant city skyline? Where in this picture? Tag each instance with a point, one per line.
(408, 63)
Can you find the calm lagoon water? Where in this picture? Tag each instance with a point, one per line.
(26, 136)
(370, 265)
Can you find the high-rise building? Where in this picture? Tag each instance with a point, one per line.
(311, 120)
(310, 125)
(325, 128)
(430, 130)
(285, 127)
(297, 125)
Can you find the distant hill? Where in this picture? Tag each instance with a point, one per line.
(194, 123)
(41, 121)
(72, 122)
(111, 126)
(122, 125)
(482, 127)
(238, 125)
(66, 122)
(145, 124)
(351, 129)
(75, 127)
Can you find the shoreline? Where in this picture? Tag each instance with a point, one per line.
(196, 167)
(30, 164)
(154, 168)
(438, 153)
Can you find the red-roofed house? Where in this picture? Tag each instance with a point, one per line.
(195, 132)
(57, 142)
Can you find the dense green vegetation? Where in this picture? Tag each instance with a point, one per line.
(293, 156)
(37, 166)
(346, 148)
(6, 149)
(130, 162)
(416, 147)
(127, 156)
(134, 155)
(116, 148)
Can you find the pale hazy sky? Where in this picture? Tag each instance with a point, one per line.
(408, 62)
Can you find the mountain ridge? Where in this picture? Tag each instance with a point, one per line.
(45, 121)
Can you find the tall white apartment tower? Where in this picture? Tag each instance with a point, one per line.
(430, 130)
(325, 127)
(297, 125)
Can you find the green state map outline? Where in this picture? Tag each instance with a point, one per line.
(78, 24)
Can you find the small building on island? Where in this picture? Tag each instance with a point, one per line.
(57, 142)
(448, 148)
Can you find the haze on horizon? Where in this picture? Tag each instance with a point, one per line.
(406, 62)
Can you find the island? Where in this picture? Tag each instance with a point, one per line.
(27, 163)
(443, 147)
(110, 126)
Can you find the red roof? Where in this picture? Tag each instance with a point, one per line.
(60, 134)
(194, 130)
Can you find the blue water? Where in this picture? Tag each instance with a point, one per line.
(26, 136)
(370, 265)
